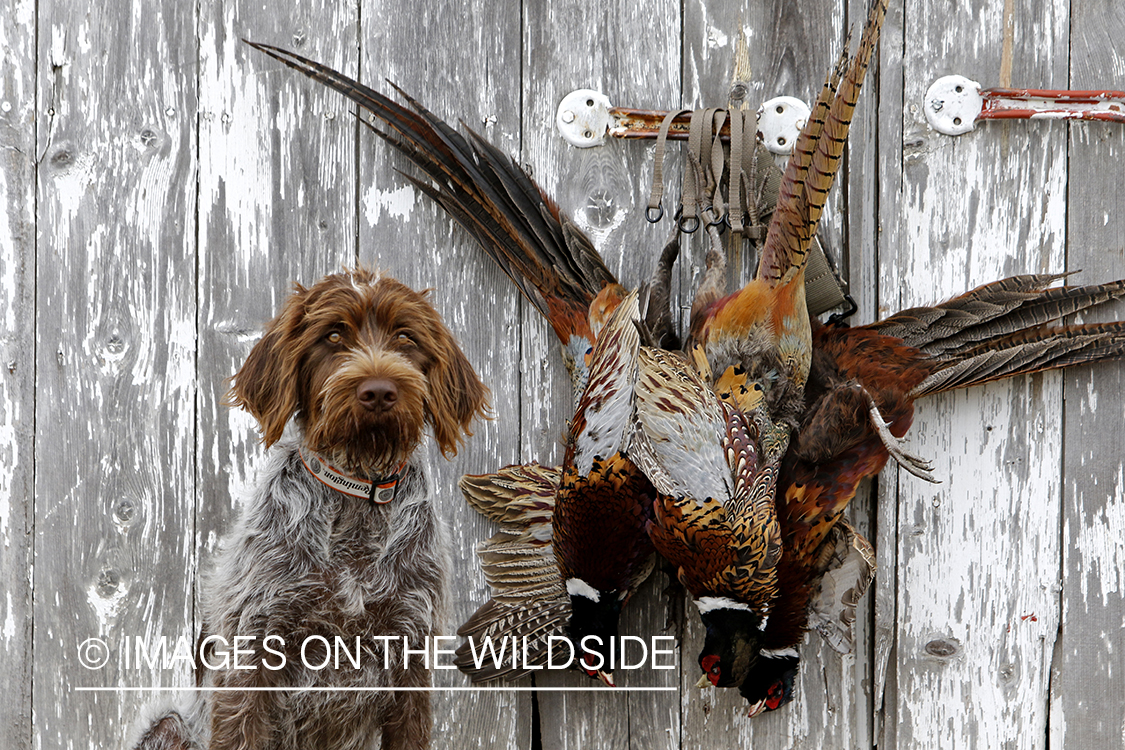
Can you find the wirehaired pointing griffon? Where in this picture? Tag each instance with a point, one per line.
(340, 538)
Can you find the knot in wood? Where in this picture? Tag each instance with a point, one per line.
(941, 647)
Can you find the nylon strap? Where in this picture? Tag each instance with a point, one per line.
(694, 179)
(657, 193)
(736, 125)
(753, 186)
(718, 162)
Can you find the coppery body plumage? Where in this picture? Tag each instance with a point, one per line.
(763, 329)
(996, 331)
(754, 349)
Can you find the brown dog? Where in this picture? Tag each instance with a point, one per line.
(340, 538)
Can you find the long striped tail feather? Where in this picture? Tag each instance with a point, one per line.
(816, 159)
(1027, 352)
(552, 263)
(993, 310)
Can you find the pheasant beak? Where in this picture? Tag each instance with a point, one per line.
(704, 681)
(756, 709)
(606, 677)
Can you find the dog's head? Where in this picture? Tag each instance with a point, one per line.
(364, 362)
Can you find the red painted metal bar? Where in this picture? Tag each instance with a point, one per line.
(1000, 104)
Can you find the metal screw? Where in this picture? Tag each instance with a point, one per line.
(568, 117)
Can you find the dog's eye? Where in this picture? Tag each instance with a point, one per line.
(405, 340)
(334, 337)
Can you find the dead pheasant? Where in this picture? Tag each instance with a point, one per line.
(715, 468)
(599, 553)
(596, 542)
(754, 349)
(863, 376)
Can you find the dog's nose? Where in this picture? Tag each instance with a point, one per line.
(377, 395)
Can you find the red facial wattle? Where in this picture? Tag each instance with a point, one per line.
(775, 695)
(710, 664)
(587, 665)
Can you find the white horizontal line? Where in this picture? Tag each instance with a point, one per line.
(371, 689)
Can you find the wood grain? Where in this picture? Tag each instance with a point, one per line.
(115, 386)
(1087, 701)
(17, 367)
(978, 555)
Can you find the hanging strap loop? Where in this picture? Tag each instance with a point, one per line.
(655, 197)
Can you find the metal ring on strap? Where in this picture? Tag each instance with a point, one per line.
(654, 200)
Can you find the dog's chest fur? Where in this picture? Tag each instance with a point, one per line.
(352, 569)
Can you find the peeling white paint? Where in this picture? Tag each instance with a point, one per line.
(105, 608)
(9, 630)
(72, 184)
(1100, 536)
(398, 203)
(235, 171)
(1090, 403)
(58, 46)
(716, 39)
(84, 44)
(9, 253)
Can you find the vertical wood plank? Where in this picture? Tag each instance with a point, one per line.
(889, 139)
(1087, 693)
(858, 260)
(115, 330)
(631, 53)
(978, 554)
(460, 60)
(17, 360)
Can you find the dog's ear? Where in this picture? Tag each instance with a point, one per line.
(266, 384)
(456, 394)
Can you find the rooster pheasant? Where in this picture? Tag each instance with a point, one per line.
(594, 551)
(717, 523)
(862, 376)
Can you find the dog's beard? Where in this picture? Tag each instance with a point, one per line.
(358, 440)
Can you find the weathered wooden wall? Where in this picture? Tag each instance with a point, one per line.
(163, 184)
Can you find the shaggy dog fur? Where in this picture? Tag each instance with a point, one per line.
(364, 363)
